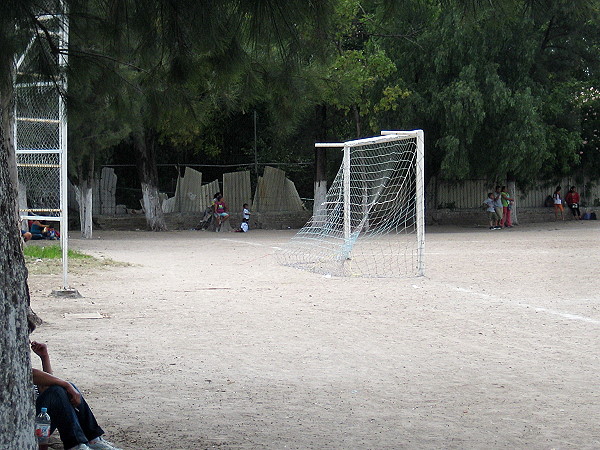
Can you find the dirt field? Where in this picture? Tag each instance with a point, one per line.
(205, 341)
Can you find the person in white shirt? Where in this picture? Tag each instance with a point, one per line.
(558, 204)
(245, 219)
(491, 211)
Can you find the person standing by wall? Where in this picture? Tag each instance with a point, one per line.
(558, 204)
(572, 200)
(489, 203)
(507, 201)
(498, 205)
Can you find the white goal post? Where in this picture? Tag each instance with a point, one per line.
(372, 223)
(40, 129)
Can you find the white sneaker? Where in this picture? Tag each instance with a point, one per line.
(101, 444)
(80, 447)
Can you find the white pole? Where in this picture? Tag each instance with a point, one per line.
(329, 144)
(64, 224)
(346, 169)
(420, 202)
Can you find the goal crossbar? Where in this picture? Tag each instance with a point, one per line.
(390, 135)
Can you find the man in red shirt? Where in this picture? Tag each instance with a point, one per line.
(572, 200)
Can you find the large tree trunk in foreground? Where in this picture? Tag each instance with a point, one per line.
(85, 196)
(16, 399)
(145, 148)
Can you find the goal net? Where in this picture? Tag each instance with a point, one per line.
(372, 222)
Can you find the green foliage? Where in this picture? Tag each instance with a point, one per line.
(588, 99)
(493, 89)
(495, 85)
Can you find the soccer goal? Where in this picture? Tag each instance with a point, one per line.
(40, 129)
(372, 221)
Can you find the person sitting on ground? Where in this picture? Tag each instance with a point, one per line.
(220, 209)
(26, 235)
(42, 230)
(207, 218)
(243, 227)
(572, 200)
(558, 204)
(68, 410)
(491, 211)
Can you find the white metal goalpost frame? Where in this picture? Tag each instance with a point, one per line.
(366, 198)
(420, 192)
(40, 132)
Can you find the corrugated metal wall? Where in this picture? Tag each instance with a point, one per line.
(275, 192)
(103, 198)
(188, 194)
(207, 193)
(270, 190)
(237, 191)
(471, 193)
(293, 201)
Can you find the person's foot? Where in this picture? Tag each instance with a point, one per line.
(101, 444)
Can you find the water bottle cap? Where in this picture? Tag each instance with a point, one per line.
(44, 410)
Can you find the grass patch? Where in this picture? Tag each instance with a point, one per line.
(47, 260)
(51, 252)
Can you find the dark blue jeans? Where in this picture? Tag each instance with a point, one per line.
(75, 426)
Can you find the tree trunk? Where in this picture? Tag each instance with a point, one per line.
(144, 144)
(16, 399)
(357, 121)
(320, 184)
(85, 196)
(512, 189)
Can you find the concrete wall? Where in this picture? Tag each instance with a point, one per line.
(471, 193)
(478, 217)
(297, 219)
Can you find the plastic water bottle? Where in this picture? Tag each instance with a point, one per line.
(42, 429)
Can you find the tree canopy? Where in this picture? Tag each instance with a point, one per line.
(495, 85)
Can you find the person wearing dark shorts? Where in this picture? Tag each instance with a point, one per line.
(572, 200)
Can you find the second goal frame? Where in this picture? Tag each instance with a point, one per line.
(371, 223)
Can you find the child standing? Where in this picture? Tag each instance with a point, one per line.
(491, 211)
(506, 208)
(245, 219)
(558, 204)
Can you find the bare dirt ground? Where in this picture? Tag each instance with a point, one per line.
(205, 341)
